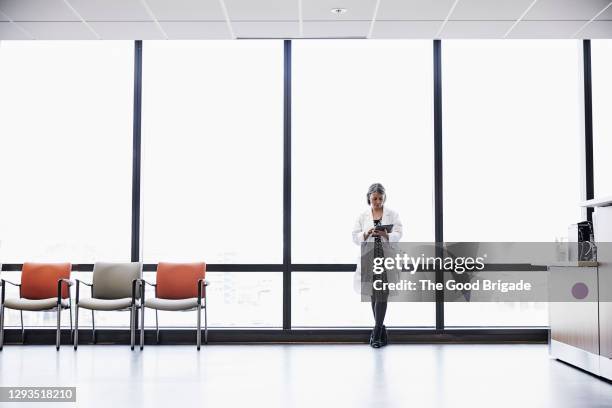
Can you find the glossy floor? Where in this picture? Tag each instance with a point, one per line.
(286, 376)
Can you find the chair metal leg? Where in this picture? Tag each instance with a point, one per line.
(142, 310)
(199, 325)
(132, 328)
(205, 322)
(1, 326)
(71, 331)
(76, 327)
(93, 328)
(59, 327)
(22, 330)
(156, 328)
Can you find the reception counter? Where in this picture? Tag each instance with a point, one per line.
(581, 331)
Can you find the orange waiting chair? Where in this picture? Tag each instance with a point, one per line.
(178, 287)
(43, 287)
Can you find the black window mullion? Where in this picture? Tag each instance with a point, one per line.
(136, 151)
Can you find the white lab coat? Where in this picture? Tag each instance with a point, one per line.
(364, 222)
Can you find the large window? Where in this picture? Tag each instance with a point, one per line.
(362, 113)
(213, 142)
(601, 66)
(65, 150)
(512, 126)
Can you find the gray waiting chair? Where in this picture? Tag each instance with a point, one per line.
(114, 287)
(44, 287)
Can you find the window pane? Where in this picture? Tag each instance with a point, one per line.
(327, 299)
(235, 299)
(362, 113)
(65, 140)
(213, 150)
(601, 66)
(512, 128)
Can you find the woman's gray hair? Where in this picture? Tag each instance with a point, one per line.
(376, 188)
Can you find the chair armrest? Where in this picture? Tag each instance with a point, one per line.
(59, 288)
(78, 285)
(136, 283)
(202, 283)
(12, 283)
(3, 283)
(148, 283)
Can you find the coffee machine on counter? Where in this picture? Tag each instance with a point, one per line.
(581, 242)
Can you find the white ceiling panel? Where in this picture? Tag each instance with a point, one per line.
(545, 29)
(58, 30)
(111, 10)
(606, 15)
(321, 9)
(186, 10)
(267, 29)
(475, 29)
(9, 31)
(406, 29)
(198, 30)
(597, 29)
(3, 17)
(336, 29)
(262, 10)
(142, 30)
(566, 9)
(490, 9)
(414, 9)
(37, 10)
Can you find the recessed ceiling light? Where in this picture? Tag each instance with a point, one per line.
(338, 11)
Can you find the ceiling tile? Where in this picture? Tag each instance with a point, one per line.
(566, 9)
(406, 29)
(545, 29)
(597, 29)
(413, 9)
(321, 9)
(143, 30)
(606, 15)
(8, 31)
(262, 10)
(475, 29)
(37, 10)
(189, 10)
(196, 30)
(58, 30)
(490, 9)
(266, 29)
(111, 10)
(336, 29)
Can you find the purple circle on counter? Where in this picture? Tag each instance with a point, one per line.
(580, 290)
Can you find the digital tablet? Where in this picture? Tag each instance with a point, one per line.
(388, 227)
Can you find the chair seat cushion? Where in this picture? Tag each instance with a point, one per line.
(171, 304)
(34, 304)
(106, 304)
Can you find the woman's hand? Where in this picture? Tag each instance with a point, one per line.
(367, 234)
(381, 233)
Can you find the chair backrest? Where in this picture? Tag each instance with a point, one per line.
(179, 280)
(39, 280)
(113, 280)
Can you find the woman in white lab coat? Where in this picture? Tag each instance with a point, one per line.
(364, 231)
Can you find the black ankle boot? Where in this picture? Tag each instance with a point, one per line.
(384, 339)
(376, 341)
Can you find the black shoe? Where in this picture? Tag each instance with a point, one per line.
(384, 339)
(377, 337)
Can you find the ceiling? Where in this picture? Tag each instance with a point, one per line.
(236, 19)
